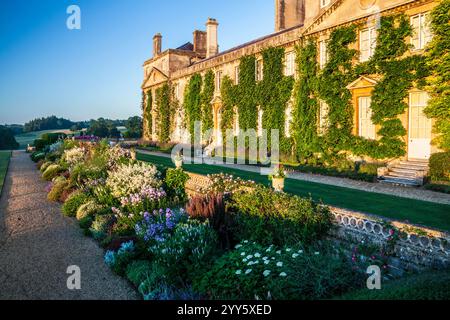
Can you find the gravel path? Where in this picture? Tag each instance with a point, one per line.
(399, 191)
(38, 244)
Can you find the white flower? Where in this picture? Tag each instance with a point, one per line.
(300, 251)
(250, 263)
(279, 264)
(269, 249)
(243, 254)
(239, 272)
(238, 246)
(248, 271)
(316, 253)
(257, 255)
(265, 258)
(246, 241)
(288, 250)
(244, 260)
(279, 252)
(295, 255)
(249, 257)
(267, 262)
(266, 273)
(283, 274)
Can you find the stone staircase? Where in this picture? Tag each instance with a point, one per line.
(410, 173)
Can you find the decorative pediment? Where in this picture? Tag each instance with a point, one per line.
(362, 82)
(155, 77)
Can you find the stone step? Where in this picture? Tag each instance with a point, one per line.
(414, 164)
(400, 181)
(409, 167)
(407, 175)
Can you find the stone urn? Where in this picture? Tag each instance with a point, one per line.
(278, 183)
(178, 162)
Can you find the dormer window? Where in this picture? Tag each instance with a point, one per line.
(324, 3)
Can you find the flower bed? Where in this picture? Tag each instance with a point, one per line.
(239, 241)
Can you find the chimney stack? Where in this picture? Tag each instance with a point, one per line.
(212, 46)
(200, 42)
(157, 44)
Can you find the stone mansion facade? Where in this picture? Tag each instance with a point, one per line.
(294, 21)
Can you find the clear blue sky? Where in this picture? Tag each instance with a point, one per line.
(46, 69)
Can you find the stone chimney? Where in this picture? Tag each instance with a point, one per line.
(289, 13)
(157, 44)
(212, 46)
(200, 42)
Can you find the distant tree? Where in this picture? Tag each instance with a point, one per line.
(15, 128)
(7, 140)
(48, 123)
(76, 127)
(99, 128)
(134, 127)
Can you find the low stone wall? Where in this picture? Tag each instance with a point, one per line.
(417, 248)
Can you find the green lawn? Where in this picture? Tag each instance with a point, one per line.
(28, 138)
(415, 211)
(4, 161)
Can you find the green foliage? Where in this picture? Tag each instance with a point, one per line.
(188, 252)
(89, 208)
(271, 217)
(51, 172)
(426, 286)
(228, 94)
(101, 225)
(440, 166)
(175, 181)
(138, 271)
(7, 140)
(207, 96)
(148, 113)
(192, 102)
(163, 103)
(246, 98)
(274, 91)
(438, 61)
(37, 156)
(57, 190)
(332, 89)
(305, 111)
(253, 271)
(73, 202)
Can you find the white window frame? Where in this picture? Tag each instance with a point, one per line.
(423, 35)
(324, 122)
(177, 91)
(366, 126)
(427, 123)
(289, 64)
(218, 80)
(323, 53)
(236, 128)
(259, 70)
(236, 74)
(260, 122)
(366, 53)
(288, 120)
(324, 3)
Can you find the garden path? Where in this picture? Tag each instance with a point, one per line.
(404, 192)
(38, 244)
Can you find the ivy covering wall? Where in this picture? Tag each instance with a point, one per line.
(163, 104)
(245, 94)
(192, 102)
(147, 99)
(206, 97)
(438, 61)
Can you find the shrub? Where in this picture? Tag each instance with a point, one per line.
(132, 178)
(212, 208)
(45, 165)
(268, 217)
(148, 199)
(253, 271)
(157, 226)
(73, 202)
(87, 209)
(57, 190)
(37, 156)
(118, 261)
(101, 226)
(187, 252)
(74, 156)
(427, 286)
(225, 183)
(138, 271)
(85, 223)
(440, 166)
(39, 144)
(52, 171)
(175, 181)
(439, 187)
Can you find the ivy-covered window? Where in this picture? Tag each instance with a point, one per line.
(323, 117)
(260, 122)
(367, 43)
(289, 67)
(323, 53)
(419, 124)
(366, 126)
(288, 120)
(259, 70)
(236, 128)
(176, 91)
(236, 75)
(218, 80)
(421, 31)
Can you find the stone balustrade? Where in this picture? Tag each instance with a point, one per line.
(415, 248)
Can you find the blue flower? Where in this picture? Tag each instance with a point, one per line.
(110, 258)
